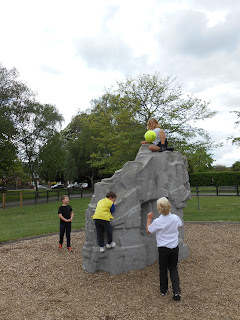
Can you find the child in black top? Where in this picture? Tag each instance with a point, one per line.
(65, 214)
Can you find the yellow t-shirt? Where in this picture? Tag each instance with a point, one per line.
(102, 211)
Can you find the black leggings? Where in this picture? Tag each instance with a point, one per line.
(65, 226)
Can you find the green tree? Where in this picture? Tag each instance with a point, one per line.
(70, 167)
(220, 168)
(236, 166)
(52, 159)
(162, 98)
(116, 132)
(40, 124)
(119, 119)
(26, 125)
(80, 144)
(19, 174)
(199, 160)
(14, 95)
(236, 140)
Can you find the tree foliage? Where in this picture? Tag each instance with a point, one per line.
(80, 143)
(13, 97)
(220, 168)
(118, 121)
(199, 158)
(236, 166)
(26, 125)
(40, 123)
(115, 131)
(162, 98)
(220, 178)
(52, 158)
(236, 140)
(102, 139)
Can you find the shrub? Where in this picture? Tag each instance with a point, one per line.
(220, 178)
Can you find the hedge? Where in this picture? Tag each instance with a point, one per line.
(220, 178)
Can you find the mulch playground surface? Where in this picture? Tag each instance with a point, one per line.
(38, 281)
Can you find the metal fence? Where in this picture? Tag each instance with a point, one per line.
(215, 190)
(20, 198)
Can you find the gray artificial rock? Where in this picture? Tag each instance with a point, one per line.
(138, 185)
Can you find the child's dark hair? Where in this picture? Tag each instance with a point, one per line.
(111, 194)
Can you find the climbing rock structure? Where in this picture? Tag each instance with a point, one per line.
(138, 185)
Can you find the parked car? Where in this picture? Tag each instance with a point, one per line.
(74, 185)
(57, 186)
(3, 189)
(84, 185)
(40, 187)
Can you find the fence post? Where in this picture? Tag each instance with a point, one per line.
(69, 193)
(4, 201)
(217, 190)
(47, 196)
(58, 194)
(237, 191)
(36, 195)
(81, 192)
(21, 199)
(198, 197)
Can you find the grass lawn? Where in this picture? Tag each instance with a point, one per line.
(226, 208)
(17, 223)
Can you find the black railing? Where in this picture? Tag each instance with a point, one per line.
(215, 190)
(20, 198)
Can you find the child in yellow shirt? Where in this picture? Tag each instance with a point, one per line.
(102, 216)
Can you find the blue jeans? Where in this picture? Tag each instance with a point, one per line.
(168, 260)
(102, 226)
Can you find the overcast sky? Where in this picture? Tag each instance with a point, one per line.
(70, 51)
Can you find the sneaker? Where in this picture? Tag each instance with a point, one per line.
(176, 296)
(111, 245)
(162, 148)
(60, 246)
(163, 293)
(69, 249)
(102, 249)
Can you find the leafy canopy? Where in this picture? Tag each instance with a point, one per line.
(236, 140)
(25, 124)
(118, 121)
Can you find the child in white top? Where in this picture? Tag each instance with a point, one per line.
(166, 229)
(160, 143)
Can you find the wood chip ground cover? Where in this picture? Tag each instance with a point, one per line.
(38, 281)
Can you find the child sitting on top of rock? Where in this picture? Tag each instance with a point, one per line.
(160, 143)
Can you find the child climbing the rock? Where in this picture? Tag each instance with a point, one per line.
(160, 143)
(102, 216)
(166, 229)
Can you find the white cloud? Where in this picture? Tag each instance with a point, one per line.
(70, 51)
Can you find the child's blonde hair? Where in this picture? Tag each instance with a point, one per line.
(154, 120)
(163, 206)
(63, 197)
